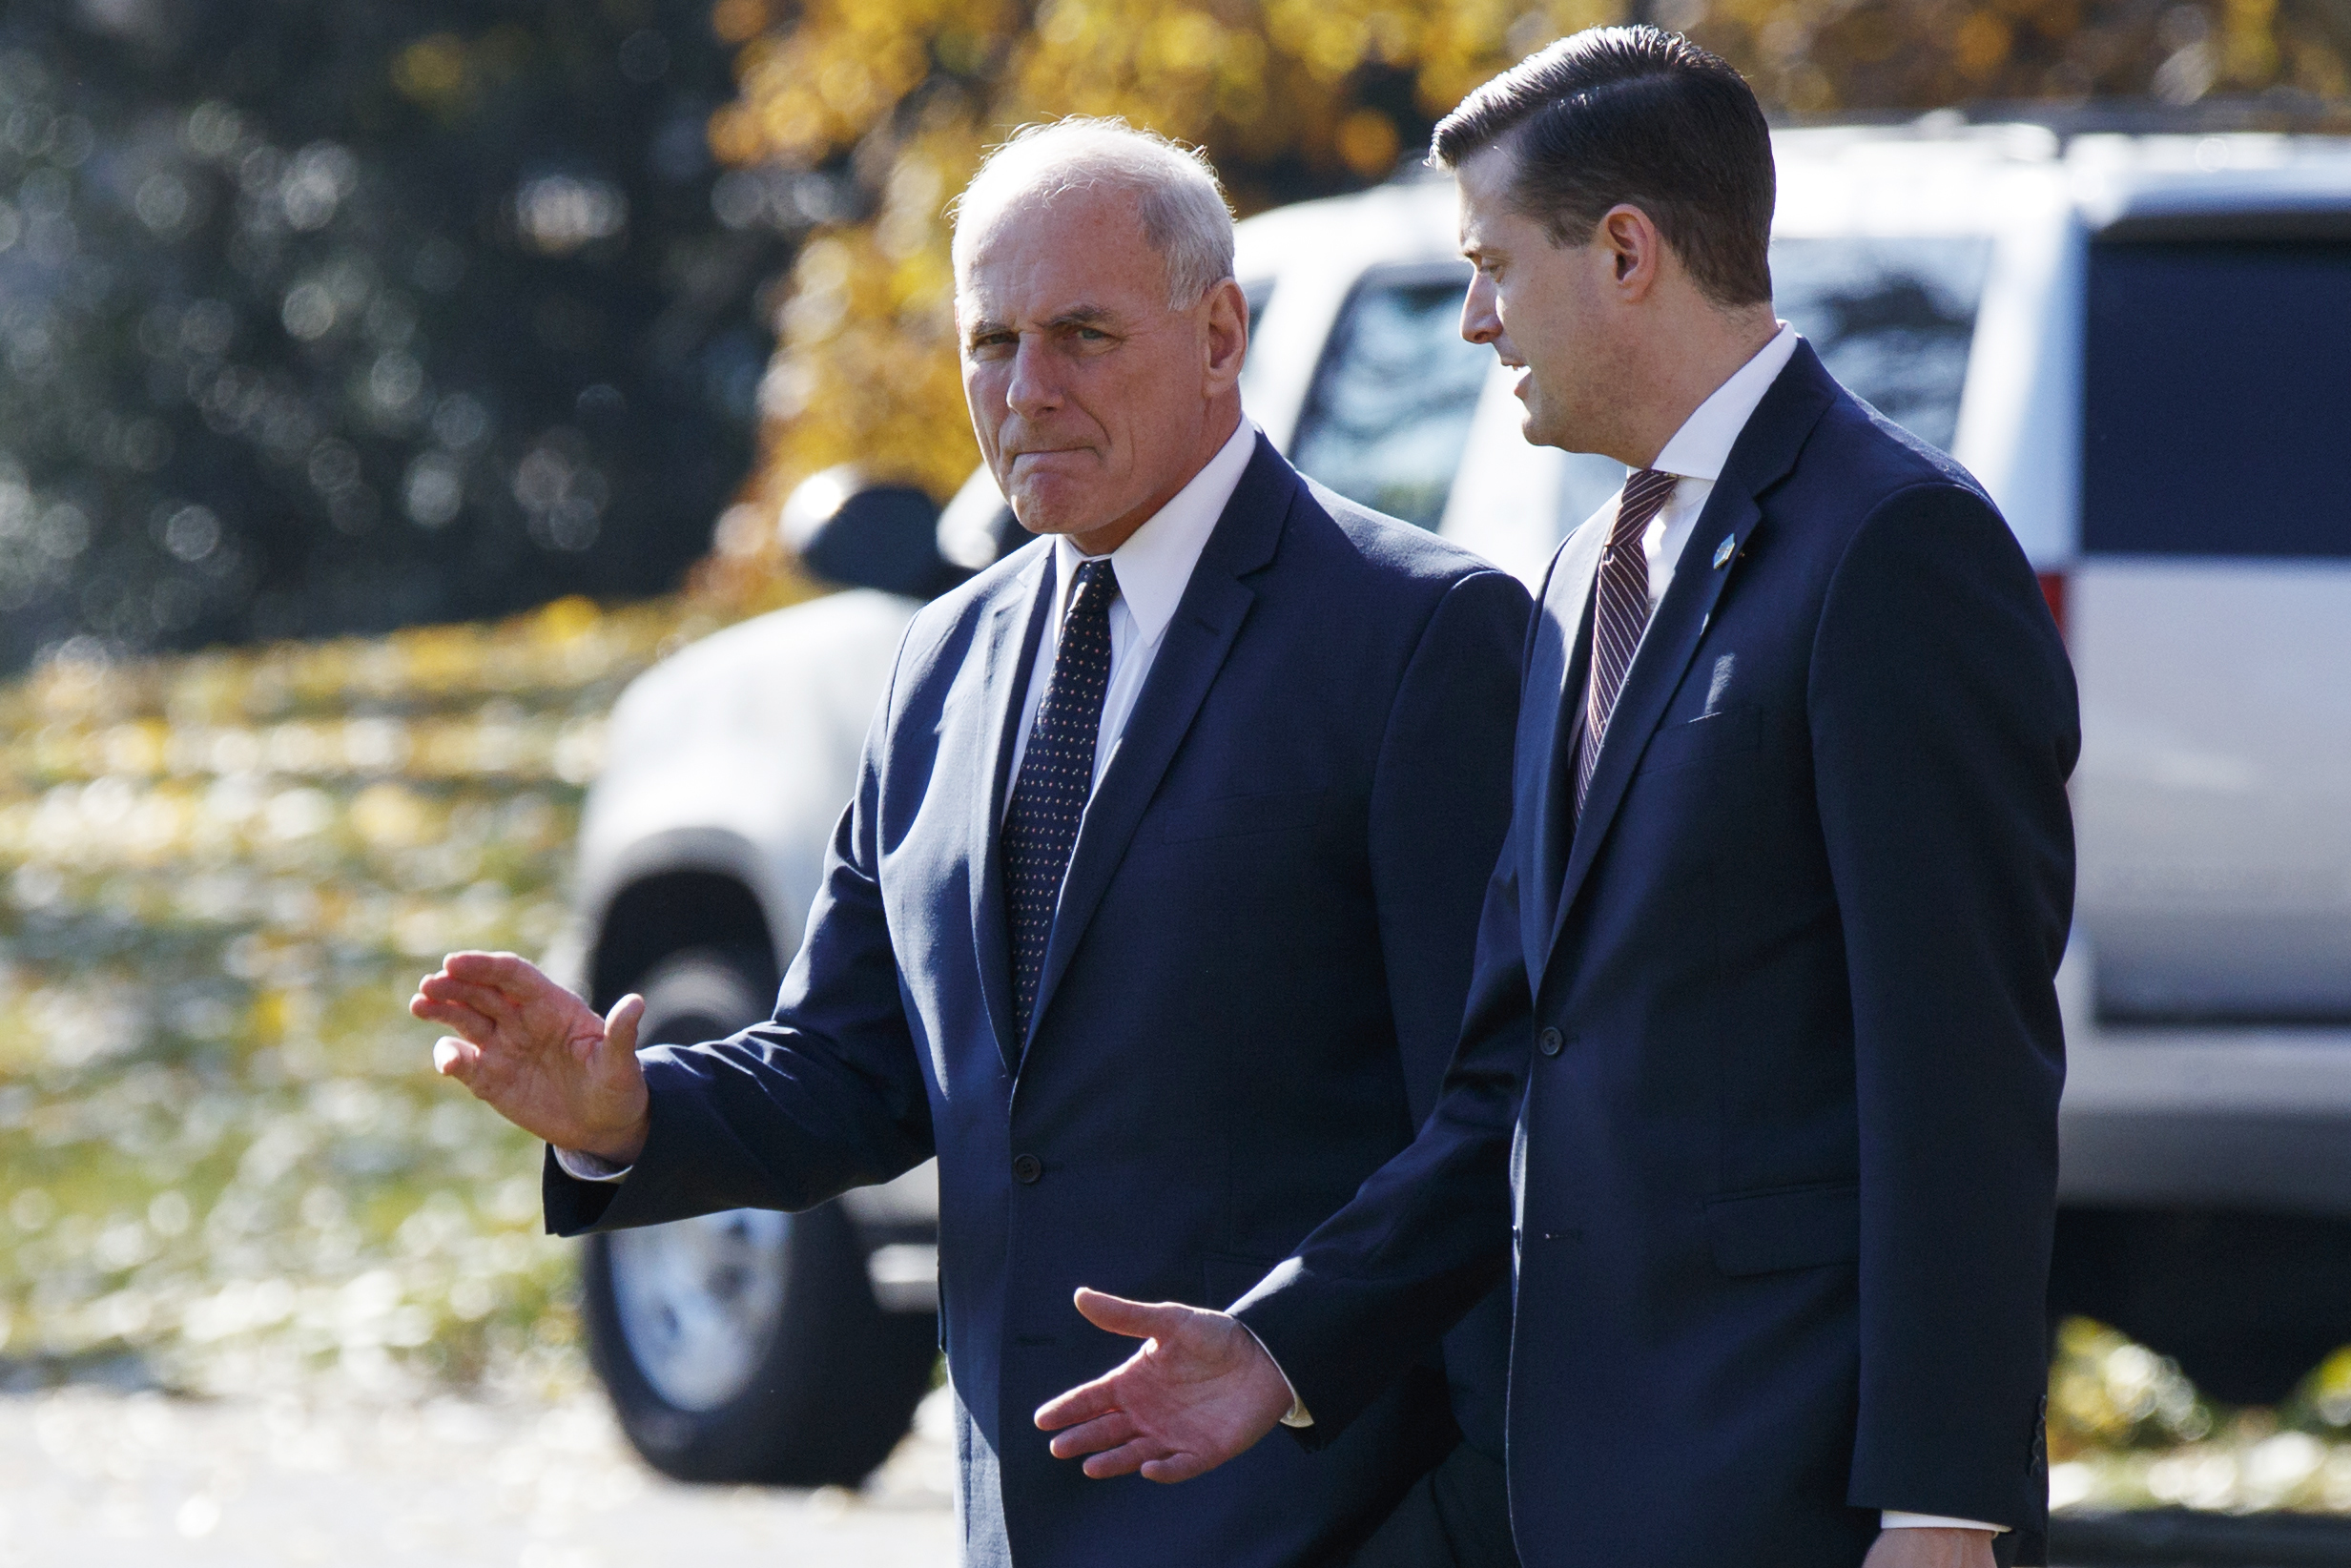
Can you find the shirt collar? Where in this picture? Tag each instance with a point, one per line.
(1157, 560)
(1702, 444)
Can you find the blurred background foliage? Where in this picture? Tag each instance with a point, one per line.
(341, 316)
(1294, 99)
(335, 318)
(226, 1163)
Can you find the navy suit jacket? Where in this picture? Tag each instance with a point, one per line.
(1758, 1087)
(1249, 996)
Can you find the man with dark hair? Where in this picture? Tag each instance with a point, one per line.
(1756, 1096)
(1632, 114)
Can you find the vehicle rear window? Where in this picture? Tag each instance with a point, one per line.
(2214, 399)
(1891, 319)
(1389, 411)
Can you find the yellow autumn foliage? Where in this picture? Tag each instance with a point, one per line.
(1285, 94)
(1292, 97)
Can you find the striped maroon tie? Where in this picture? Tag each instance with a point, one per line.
(1620, 615)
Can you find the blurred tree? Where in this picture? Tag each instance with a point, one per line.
(882, 108)
(340, 316)
(1825, 57)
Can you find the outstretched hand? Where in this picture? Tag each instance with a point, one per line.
(1199, 1392)
(537, 1055)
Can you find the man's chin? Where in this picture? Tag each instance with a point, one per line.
(1050, 514)
(1538, 430)
(1046, 504)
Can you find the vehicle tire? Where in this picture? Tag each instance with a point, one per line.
(747, 1346)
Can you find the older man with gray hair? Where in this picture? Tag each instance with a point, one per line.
(1152, 915)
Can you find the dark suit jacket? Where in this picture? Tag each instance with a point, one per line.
(1264, 945)
(1758, 1082)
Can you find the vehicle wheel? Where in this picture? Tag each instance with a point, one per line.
(747, 1346)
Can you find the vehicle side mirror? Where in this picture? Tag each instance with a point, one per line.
(977, 528)
(857, 534)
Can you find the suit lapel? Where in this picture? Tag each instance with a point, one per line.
(1547, 724)
(1206, 619)
(1008, 649)
(1765, 451)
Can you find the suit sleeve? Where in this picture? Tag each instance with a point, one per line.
(1428, 1236)
(1943, 729)
(826, 1095)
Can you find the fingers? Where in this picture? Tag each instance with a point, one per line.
(503, 971)
(499, 984)
(1103, 1432)
(1125, 1459)
(1082, 1403)
(619, 1024)
(487, 1001)
(456, 1015)
(456, 1058)
(1135, 1319)
(1176, 1466)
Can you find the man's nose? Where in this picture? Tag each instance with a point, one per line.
(1035, 386)
(1481, 323)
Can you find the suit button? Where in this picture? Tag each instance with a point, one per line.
(1026, 1168)
(1549, 1041)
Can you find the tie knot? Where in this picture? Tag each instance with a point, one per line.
(1097, 584)
(1644, 496)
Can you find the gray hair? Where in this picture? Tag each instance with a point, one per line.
(1177, 195)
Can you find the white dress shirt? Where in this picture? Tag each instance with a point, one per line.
(1153, 567)
(1694, 455)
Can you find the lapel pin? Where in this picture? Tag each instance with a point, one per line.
(1723, 551)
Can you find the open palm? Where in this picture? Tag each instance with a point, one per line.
(1199, 1392)
(537, 1055)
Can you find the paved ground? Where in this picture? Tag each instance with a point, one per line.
(93, 1478)
(96, 1479)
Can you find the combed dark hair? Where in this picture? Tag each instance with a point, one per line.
(1642, 117)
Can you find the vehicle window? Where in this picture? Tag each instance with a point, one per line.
(1389, 410)
(1257, 294)
(1891, 319)
(2213, 399)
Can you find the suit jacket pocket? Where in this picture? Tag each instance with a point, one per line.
(1228, 1277)
(1725, 734)
(1230, 815)
(1787, 1227)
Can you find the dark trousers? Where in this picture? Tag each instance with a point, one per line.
(1457, 1515)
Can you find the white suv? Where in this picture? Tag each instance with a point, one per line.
(2141, 345)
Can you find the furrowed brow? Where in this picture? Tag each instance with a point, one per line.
(1085, 316)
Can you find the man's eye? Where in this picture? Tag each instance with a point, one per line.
(1093, 335)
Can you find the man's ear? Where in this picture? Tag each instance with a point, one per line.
(1229, 334)
(1636, 249)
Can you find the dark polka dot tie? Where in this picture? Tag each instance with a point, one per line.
(1057, 775)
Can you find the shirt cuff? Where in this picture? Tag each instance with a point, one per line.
(1298, 1415)
(1891, 1521)
(583, 1166)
